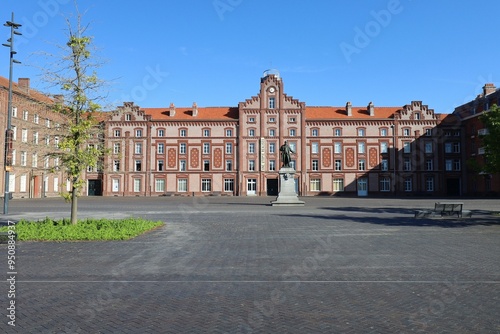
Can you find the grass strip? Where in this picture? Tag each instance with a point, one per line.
(86, 229)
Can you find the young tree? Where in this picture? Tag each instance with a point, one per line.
(75, 75)
(491, 120)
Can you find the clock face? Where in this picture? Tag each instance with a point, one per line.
(271, 89)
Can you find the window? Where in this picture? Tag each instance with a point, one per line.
(407, 164)
(116, 165)
(416, 115)
(456, 164)
(292, 120)
(383, 132)
(337, 132)
(182, 185)
(138, 148)
(138, 133)
(428, 147)
(407, 147)
(292, 164)
(182, 148)
(338, 184)
(206, 133)
(160, 185)
(206, 185)
(161, 133)
(56, 142)
(315, 184)
(137, 185)
(272, 147)
(25, 115)
(14, 132)
(429, 183)
(14, 111)
(272, 103)
(272, 120)
(293, 146)
(361, 148)
(384, 147)
(315, 164)
(206, 165)
(117, 133)
(47, 123)
(314, 148)
(384, 165)
(361, 164)
(338, 164)
(229, 132)
(23, 158)
(182, 165)
(183, 133)
(229, 148)
(14, 158)
(128, 117)
(251, 165)
(206, 148)
(361, 132)
(229, 165)
(448, 148)
(228, 185)
(456, 147)
(385, 184)
(429, 164)
(160, 165)
(272, 165)
(251, 147)
(251, 119)
(251, 132)
(428, 132)
(272, 133)
(408, 184)
(314, 132)
(161, 148)
(22, 183)
(24, 135)
(34, 160)
(448, 164)
(406, 132)
(337, 148)
(138, 165)
(292, 132)
(35, 138)
(116, 148)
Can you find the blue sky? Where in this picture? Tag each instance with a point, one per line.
(214, 52)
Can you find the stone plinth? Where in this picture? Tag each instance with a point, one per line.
(287, 195)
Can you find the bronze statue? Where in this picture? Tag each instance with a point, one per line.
(286, 154)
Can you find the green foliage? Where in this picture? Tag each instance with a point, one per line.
(491, 120)
(88, 229)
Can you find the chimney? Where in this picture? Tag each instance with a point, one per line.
(24, 84)
(487, 89)
(195, 109)
(371, 109)
(348, 108)
(59, 99)
(172, 110)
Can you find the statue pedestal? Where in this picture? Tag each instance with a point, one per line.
(287, 195)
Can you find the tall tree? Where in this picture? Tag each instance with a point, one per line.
(491, 120)
(75, 74)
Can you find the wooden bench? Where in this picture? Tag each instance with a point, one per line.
(445, 209)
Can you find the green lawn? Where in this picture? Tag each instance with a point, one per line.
(88, 229)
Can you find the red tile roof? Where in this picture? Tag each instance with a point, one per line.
(204, 113)
(322, 113)
(30, 93)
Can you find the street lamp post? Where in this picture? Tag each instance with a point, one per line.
(8, 132)
(393, 127)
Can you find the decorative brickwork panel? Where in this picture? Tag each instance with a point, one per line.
(327, 157)
(195, 158)
(217, 158)
(171, 158)
(349, 157)
(373, 157)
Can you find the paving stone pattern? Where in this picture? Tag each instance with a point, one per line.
(239, 265)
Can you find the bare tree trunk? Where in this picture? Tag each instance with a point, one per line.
(74, 206)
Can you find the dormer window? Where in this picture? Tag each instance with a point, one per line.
(128, 117)
(416, 115)
(272, 103)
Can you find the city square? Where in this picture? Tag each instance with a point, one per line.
(224, 264)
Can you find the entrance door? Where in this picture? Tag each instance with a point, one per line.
(272, 187)
(453, 187)
(95, 188)
(251, 186)
(362, 187)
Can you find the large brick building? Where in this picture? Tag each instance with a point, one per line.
(35, 133)
(235, 150)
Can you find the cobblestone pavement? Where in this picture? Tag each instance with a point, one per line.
(238, 265)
